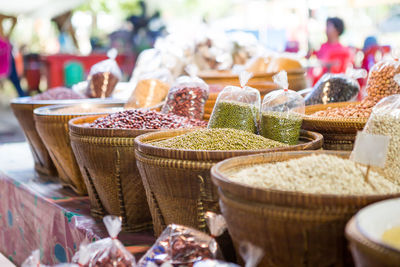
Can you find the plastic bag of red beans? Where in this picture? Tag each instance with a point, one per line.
(187, 97)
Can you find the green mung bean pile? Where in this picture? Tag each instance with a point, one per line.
(281, 126)
(235, 115)
(218, 139)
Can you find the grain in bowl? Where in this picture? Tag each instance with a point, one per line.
(315, 174)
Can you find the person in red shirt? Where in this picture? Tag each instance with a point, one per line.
(334, 28)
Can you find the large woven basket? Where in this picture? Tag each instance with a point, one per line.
(23, 110)
(293, 229)
(106, 158)
(339, 133)
(367, 253)
(296, 78)
(53, 130)
(178, 182)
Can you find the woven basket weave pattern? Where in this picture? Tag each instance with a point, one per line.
(116, 186)
(308, 227)
(178, 182)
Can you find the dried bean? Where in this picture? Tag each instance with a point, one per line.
(102, 85)
(141, 119)
(333, 88)
(235, 115)
(281, 126)
(58, 93)
(218, 139)
(186, 101)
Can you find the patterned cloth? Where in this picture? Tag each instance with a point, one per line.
(39, 214)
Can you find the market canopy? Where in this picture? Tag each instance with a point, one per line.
(38, 8)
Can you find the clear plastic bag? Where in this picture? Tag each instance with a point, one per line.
(250, 253)
(107, 252)
(180, 246)
(103, 77)
(34, 261)
(282, 113)
(336, 87)
(187, 97)
(237, 107)
(381, 81)
(214, 263)
(151, 89)
(384, 120)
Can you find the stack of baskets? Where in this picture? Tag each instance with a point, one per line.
(339, 133)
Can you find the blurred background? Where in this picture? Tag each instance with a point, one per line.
(51, 43)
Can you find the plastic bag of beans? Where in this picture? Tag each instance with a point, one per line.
(381, 81)
(237, 107)
(103, 77)
(180, 246)
(107, 252)
(282, 113)
(336, 87)
(187, 96)
(151, 89)
(384, 120)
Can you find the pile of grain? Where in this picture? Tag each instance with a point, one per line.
(319, 174)
(218, 139)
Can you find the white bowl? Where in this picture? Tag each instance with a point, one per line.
(373, 220)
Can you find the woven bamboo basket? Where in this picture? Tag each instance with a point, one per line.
(293, 229)
(367, 253)
(178, 182)
(296, 78)
(106, 158)
(53, 130)
(23, 110)
(339, 133)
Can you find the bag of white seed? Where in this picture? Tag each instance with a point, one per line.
(237, 107)
(385, 120)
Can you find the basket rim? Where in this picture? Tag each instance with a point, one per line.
(211, 155)
(292, 198)
(27, 100)
(47, 111)
(219, 74)
(353, 234)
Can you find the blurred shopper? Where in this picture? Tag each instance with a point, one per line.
(7, 62)
(334, 28)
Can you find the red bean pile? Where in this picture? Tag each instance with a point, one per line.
(186, 102)
(140, 119)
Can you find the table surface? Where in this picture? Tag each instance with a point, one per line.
(36, 213)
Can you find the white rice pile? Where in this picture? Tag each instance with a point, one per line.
(323, 174)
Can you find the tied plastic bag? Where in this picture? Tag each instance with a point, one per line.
(180, 246)
(107, 252)
(336, 87)
(381, 81)
(384, 120)
(250, 253)
(282, 113)
(214, 263)
(151, 89)
(103, 77)
(237, 107)
(187, 96)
